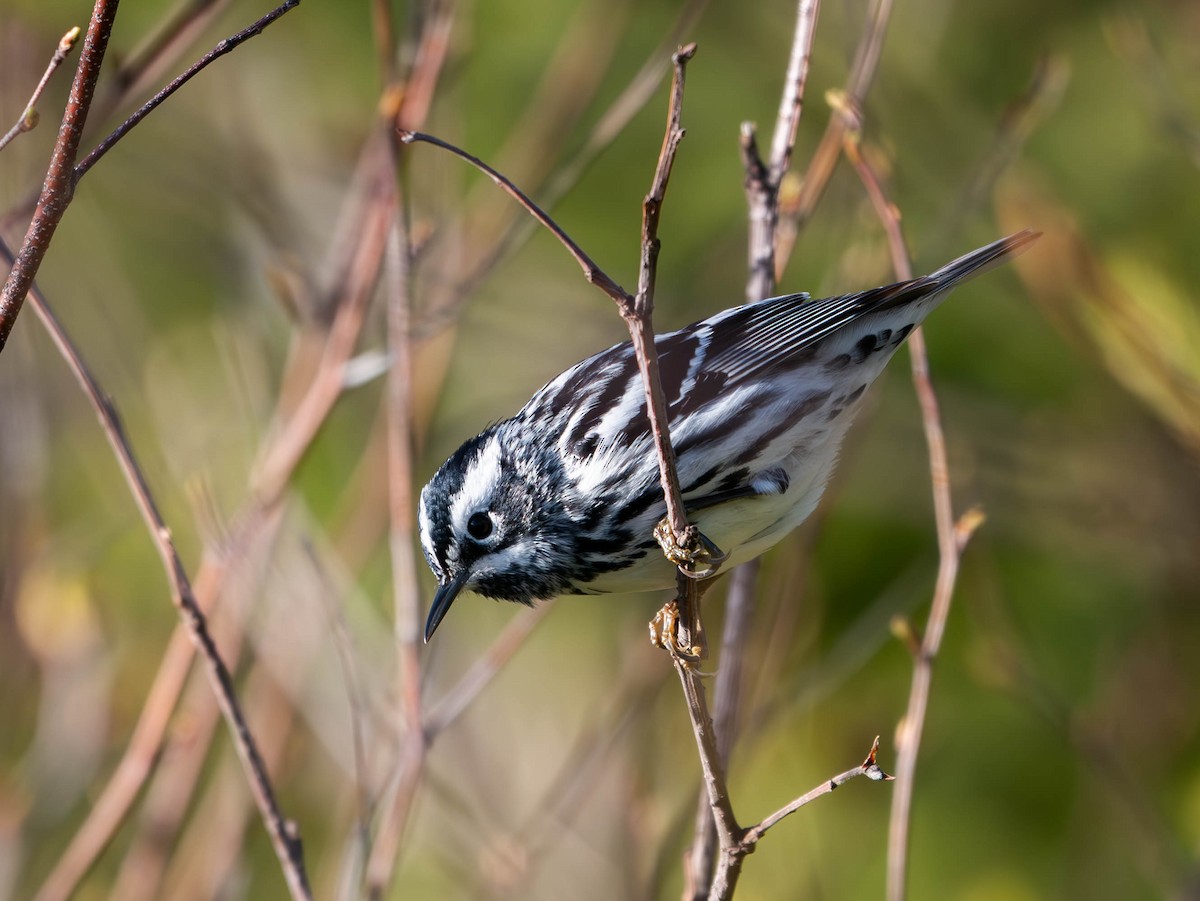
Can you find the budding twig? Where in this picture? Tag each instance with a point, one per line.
(28, 119)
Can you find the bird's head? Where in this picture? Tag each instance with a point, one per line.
(493, 522)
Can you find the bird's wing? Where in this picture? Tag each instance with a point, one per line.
(601, 400)
(741, 343)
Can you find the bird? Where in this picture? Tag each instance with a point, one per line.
(563, 497)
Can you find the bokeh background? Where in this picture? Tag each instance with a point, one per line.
(198, 267)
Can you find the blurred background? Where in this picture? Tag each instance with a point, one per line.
(210, 261)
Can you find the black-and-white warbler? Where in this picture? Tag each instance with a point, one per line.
(563, 497)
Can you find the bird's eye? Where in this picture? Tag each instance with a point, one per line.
(479, 526)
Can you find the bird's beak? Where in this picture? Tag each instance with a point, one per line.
(441, 604)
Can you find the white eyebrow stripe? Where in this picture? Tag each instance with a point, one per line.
(479, 482)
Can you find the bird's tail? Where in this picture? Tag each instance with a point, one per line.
(985, 258)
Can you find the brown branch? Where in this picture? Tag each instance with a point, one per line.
(639, 316)
(952, 538)
(28, 119)
(282, 832)
(280, 455)
(637, 313)
(60, 183)
(130, 774)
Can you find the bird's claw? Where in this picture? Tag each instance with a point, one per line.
(695, 555)
(666, 634)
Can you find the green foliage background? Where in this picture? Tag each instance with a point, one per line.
(1062, 751)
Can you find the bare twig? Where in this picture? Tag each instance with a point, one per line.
(763, 180)
(28, 119)
(167, 39)
(591, 271)
(283, 833)
(952, 538)
(167, 801)
(127, 779)
(639, 316)
(280, 455)
(824, 159)
(636, 94)
(416, 94)
(733, 856)
(60, 183)
(636, 311)
(868, 768)
(223, 47)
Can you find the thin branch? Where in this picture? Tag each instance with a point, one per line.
(109, 809)
(952, 539)
(593, 273)
(156, 52)
(28, 119)
(60, 183)
(868, 768)
(416, 92)
(732, 857)
(639, 316)
(636, 311)
(282, 832)
(223, 47)
(824, 159)
(791, 103)
(636, 94)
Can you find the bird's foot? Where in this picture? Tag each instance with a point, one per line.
(695, 555)
(666, 632)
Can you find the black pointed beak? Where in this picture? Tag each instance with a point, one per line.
(442, 600)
